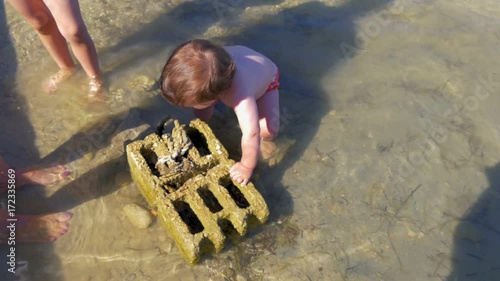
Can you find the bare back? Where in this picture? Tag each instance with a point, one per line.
(254, 73)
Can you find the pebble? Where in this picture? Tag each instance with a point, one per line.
(240, 278)
(138, 216)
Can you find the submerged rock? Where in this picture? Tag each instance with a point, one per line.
(138, 216)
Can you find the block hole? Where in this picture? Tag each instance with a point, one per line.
(209, 199)
(253, 220)
(188, 216)
(174, 184)
(207, 246)
(151, 159)
(227, 227)
(199, 141)
(166, 125)
(235, 193)
(170, 187)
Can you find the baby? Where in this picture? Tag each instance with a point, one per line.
(199, 73)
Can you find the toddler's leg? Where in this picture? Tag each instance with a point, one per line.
(269, 115)
(269, 121)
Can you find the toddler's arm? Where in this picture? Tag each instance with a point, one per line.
(204, 114)
(248, 118)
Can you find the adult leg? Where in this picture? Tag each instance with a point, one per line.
(39, 16)
(71, 25)
(4, 176)
(39, 228)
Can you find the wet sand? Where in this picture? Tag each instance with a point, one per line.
(391, 107)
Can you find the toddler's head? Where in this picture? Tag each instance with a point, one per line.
(198, 72)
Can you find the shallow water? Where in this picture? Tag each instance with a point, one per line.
(391, 105)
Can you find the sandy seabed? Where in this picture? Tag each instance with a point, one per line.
(391, 108)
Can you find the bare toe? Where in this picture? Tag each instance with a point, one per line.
(273, 152)
(63, 216)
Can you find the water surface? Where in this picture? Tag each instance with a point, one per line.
(391, 107)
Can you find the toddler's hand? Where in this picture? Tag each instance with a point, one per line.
(240, 173)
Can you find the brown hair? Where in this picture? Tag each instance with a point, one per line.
(197, 71)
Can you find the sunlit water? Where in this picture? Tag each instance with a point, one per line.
(392, 107)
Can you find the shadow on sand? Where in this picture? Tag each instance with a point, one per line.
(476, 249)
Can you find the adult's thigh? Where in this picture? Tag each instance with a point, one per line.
(34, 11)
(67, 16)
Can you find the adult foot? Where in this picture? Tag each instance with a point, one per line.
(96, 89)
(40, 228)
(51, 84)
(45, 176)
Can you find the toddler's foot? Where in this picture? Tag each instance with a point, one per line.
(273, 153)
(267, 148)
(51, 84)
(44, 176)
(41, 228)
(96, 89)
